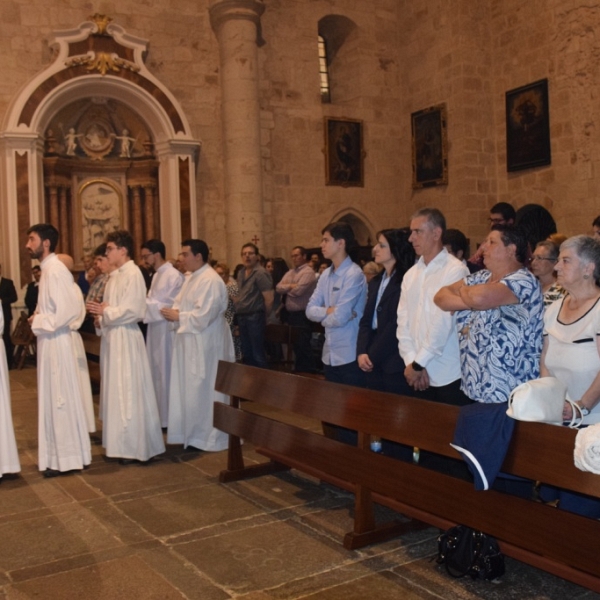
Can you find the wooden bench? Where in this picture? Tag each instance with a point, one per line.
(24, 342)
(557, 541)
(91, 343)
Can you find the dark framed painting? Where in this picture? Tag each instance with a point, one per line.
(528, 126)
(429, 147)
(344, 152)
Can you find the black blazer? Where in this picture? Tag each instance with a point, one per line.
(31, 297)
(381, 344)
(8, 295)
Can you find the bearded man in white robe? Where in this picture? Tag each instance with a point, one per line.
(131, 430)
(203, 338)
(166, 283)
(64, 443)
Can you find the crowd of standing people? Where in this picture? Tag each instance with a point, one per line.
(424, 319)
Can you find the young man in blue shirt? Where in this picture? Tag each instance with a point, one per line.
(338, 303)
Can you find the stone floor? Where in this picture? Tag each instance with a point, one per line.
(170, 530)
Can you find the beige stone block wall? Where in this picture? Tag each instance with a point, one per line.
(444, 49)
(404, 56)
(298, 204)
(562, 46)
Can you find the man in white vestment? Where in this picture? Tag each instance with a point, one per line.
(131, 430)
(166, 283)
(64, 443)
(9, 456)
(84, 374)
(203, 338)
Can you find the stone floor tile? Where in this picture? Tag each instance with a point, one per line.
(116, 522)
(190, 581)
(263, 557)
(129, 578)
(113, 479)
(380, 586)
(67, 534)
(284, 490)
(23, 494)
(165, 514)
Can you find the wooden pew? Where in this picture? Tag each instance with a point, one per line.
(91, 343)
(557, 541)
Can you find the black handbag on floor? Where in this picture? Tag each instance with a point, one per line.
(465, 551)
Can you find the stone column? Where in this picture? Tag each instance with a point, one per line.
(149, 227)
(136, 214)
(237, 26)
(54, 211)
(65, 233)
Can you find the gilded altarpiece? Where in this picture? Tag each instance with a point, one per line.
(99, 175)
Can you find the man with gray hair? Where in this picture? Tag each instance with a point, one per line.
(426, 336)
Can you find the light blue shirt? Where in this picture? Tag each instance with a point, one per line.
(345, 288)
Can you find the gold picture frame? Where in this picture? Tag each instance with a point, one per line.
(344, 154)
(429, 147)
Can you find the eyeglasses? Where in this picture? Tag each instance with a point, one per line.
(145, 256)
(110, 248)
(497, 221)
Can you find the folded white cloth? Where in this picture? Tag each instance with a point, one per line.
(587, 449)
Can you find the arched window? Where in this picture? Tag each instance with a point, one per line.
(338, 57)
(324, 71)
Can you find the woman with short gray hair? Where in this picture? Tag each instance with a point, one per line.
(571, 350)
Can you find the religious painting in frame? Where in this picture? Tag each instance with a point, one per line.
(429, 147)
(528, 126)
(344, 152)
(100, 211)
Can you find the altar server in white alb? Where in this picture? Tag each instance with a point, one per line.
(166, 283)
(131, 429)
(84, 374)
(203, 338)
(9, 457)
(64, 443)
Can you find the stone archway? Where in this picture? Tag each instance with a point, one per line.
(96, 60)
(364, 232)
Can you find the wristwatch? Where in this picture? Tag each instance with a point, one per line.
(584, 411)
(416, 366)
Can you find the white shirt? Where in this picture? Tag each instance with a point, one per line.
(426, 334)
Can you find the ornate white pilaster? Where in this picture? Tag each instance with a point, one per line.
(237, 26)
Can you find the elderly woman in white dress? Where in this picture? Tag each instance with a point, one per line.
(571, 350)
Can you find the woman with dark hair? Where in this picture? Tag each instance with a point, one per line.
(499, 319)
(377, 345)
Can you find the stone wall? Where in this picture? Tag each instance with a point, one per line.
(404, 56)
(298, 204)
(553, 39)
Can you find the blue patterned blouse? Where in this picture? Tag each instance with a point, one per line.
(500, 348)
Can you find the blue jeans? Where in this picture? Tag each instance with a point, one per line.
(252, 336)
